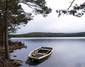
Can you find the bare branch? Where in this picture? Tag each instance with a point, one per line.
(71, 4)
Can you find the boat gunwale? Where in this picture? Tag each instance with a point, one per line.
(41, 56)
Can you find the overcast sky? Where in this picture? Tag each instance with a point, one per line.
(51, 23)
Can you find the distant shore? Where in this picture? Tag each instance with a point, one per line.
(47, 38)
(47, 34)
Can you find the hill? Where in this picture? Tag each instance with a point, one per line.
(46, 34)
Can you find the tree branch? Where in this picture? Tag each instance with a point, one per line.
(71, 4)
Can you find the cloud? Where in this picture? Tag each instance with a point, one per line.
(51, 23)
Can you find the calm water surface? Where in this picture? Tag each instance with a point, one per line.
(66, 52)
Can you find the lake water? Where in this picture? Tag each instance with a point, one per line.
(66, 52)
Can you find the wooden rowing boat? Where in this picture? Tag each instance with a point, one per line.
(40, 53)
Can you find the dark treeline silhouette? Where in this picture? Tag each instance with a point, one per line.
(45, 34)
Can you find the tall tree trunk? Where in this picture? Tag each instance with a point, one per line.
(6, 31)
(6, 41)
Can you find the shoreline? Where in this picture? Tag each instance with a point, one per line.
(48, 38)
(10, 62)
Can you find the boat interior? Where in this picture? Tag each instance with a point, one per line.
(41, 51)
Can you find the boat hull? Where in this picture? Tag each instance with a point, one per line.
(39, 55)
(38, 60)
(35, 62)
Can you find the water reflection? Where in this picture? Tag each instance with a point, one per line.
(66, 53)
(36, 62)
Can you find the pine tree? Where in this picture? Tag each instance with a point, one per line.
(78, 10)
(12, 15)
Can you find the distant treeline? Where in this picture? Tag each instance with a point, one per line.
(42, 34)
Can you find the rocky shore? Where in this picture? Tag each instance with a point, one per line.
(9, 62)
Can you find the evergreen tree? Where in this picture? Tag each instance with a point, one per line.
(77, 10)
(12, 15)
